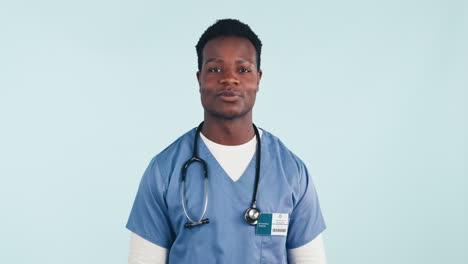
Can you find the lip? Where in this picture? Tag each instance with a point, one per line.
(228, 96)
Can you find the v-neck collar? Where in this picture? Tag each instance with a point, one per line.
(204, 149)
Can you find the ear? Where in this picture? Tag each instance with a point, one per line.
(198, 79)
(259, 77)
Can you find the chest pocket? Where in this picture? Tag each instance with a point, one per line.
(275, 200)
(273, 247)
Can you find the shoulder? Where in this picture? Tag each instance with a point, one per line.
(173, 156)
(181, 145)
(274, 148)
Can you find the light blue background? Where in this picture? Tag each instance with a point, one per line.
(372, 95)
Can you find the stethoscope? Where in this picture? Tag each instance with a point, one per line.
(251, 215)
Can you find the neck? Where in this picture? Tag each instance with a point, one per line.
(229, 132)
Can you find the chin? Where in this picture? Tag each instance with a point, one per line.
(228, 115)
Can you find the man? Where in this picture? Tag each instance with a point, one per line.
(257, 203)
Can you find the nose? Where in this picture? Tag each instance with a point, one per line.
(229, 78)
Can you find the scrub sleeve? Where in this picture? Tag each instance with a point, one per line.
(149, 216)
(306, 220)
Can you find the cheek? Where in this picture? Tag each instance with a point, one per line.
(207, 83)
(207, 96)
(206, 92)
(250, 97)
(207, 78)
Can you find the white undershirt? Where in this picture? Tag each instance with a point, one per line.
(234, 160)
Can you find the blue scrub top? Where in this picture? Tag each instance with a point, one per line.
(284, 187)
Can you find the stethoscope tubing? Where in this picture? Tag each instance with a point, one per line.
(204, 207)
(257, 167)
(196, 158)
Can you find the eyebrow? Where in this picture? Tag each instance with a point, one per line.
(220, 60)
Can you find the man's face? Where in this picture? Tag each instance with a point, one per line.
(228, 78)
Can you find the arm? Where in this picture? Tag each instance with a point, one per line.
(144, 252)
(310, 253)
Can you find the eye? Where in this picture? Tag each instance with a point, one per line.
(214, 69)
(244, 70)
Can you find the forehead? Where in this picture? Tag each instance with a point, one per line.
(229, 46)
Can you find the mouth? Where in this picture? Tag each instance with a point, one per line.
(228, 96)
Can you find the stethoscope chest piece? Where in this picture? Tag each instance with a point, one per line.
(252, 215)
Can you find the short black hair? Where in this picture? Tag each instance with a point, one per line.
(224, 28)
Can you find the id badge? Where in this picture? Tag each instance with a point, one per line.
(272, 224)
